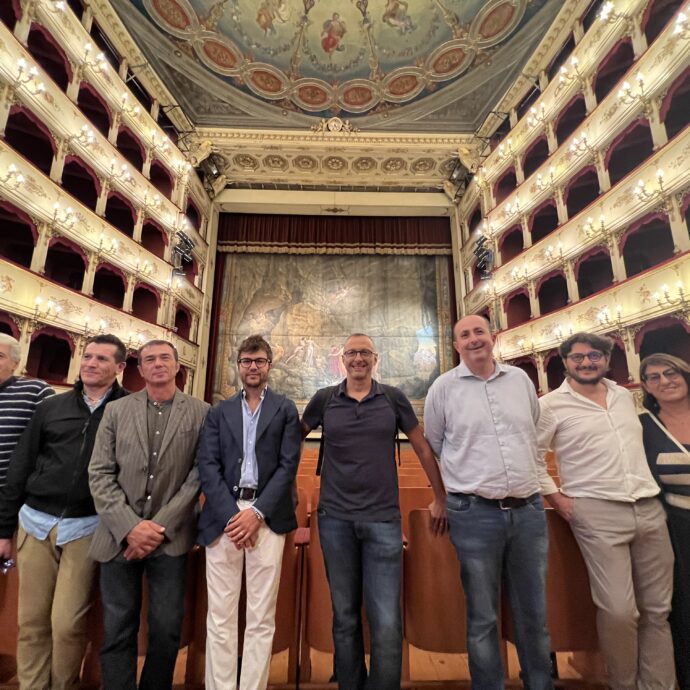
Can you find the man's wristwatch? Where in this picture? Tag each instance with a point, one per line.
(258, 514)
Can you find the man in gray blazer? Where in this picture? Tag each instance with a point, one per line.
(248, 457)
(145, 486)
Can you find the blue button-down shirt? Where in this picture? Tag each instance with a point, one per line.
(39, 524)
(249, 476)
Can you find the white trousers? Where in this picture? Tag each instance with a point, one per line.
(224, 580)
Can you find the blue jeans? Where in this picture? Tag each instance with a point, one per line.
(121, 587)
(510, 545)
(364, 558)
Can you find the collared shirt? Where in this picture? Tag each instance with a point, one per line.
(39, 524)
(157, 415)
(249, 475)
(599, 450)
(483, 431)
(359, 479)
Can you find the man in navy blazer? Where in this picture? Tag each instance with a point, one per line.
(248, 456)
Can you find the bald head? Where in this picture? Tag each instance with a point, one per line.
(471, 321)
(474, 343)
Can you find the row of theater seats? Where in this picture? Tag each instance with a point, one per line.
(433, 602)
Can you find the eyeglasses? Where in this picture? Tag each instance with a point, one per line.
(579, 357)
(364, 354)
(260, 362)
(669, 375)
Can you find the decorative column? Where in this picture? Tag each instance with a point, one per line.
(114, 128)
(129, 294)
(87, 18)
(72, 91)
(541, 372)
(75, 362)
(656, 126)
(602, 173)
(533, 301)
(573, 290)
(139, 224)
(617, 263)
(58, 162)
(25, 332)
(679, 229)
(102, 197)
(519, 170)
(639, 40)
(561, 208)
(23, 26)
(90, 274)
(632, 357)
(526, 234)
(551, 138)
(590, 96)
(7, 98)
(38, 258)
(146, 168)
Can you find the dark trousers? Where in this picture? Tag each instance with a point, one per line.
(679, 528)
(121, 585)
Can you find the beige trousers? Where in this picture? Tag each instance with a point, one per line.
(224, 564)
(629, 558)
(55, 592)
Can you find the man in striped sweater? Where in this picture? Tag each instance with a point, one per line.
(18, 400)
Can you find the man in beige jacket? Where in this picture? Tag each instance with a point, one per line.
(145, 486)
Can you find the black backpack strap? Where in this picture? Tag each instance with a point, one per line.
(393, 402)
(325, 395)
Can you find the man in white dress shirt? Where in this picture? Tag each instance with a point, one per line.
(480, 421)
(608, 496)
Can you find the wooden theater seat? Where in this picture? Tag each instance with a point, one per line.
(570, 611)
(434, 603)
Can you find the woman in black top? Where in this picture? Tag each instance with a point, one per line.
(666, 424)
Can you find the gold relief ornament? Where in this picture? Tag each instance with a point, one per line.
(334, 125)
(6, 284)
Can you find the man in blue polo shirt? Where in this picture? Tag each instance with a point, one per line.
(359, 513)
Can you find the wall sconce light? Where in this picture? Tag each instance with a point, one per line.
(125, 107)
(627, 97)
(54, 6)
(97, 64)
(480, 179)
(153, 202)
(682, 29)
(609, 14)
(122, 174)
(159, 142)
(506, 150)
(135, 340)
(569, 76)
(513, 209)
(667, 299)
(643, 194)
(51, 310)
(63, 217)
(537, 118)
(550, 253)
(142, 269)
(542, 184)
(580, 145)
(86, 136)
(107, 245)
(592, 230)
(28, 78)
(605, 319)
(12, 178)
(89, 331)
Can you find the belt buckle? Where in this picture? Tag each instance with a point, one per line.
(504, 507)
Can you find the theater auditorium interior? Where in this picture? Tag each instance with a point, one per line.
(200, 170)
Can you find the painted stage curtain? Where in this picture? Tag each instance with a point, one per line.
(278, 234)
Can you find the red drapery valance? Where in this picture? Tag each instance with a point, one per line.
(240, 232)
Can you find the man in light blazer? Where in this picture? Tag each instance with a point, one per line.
(145, 485)
(248, 457)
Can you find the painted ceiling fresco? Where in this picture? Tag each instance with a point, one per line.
(351, 57)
